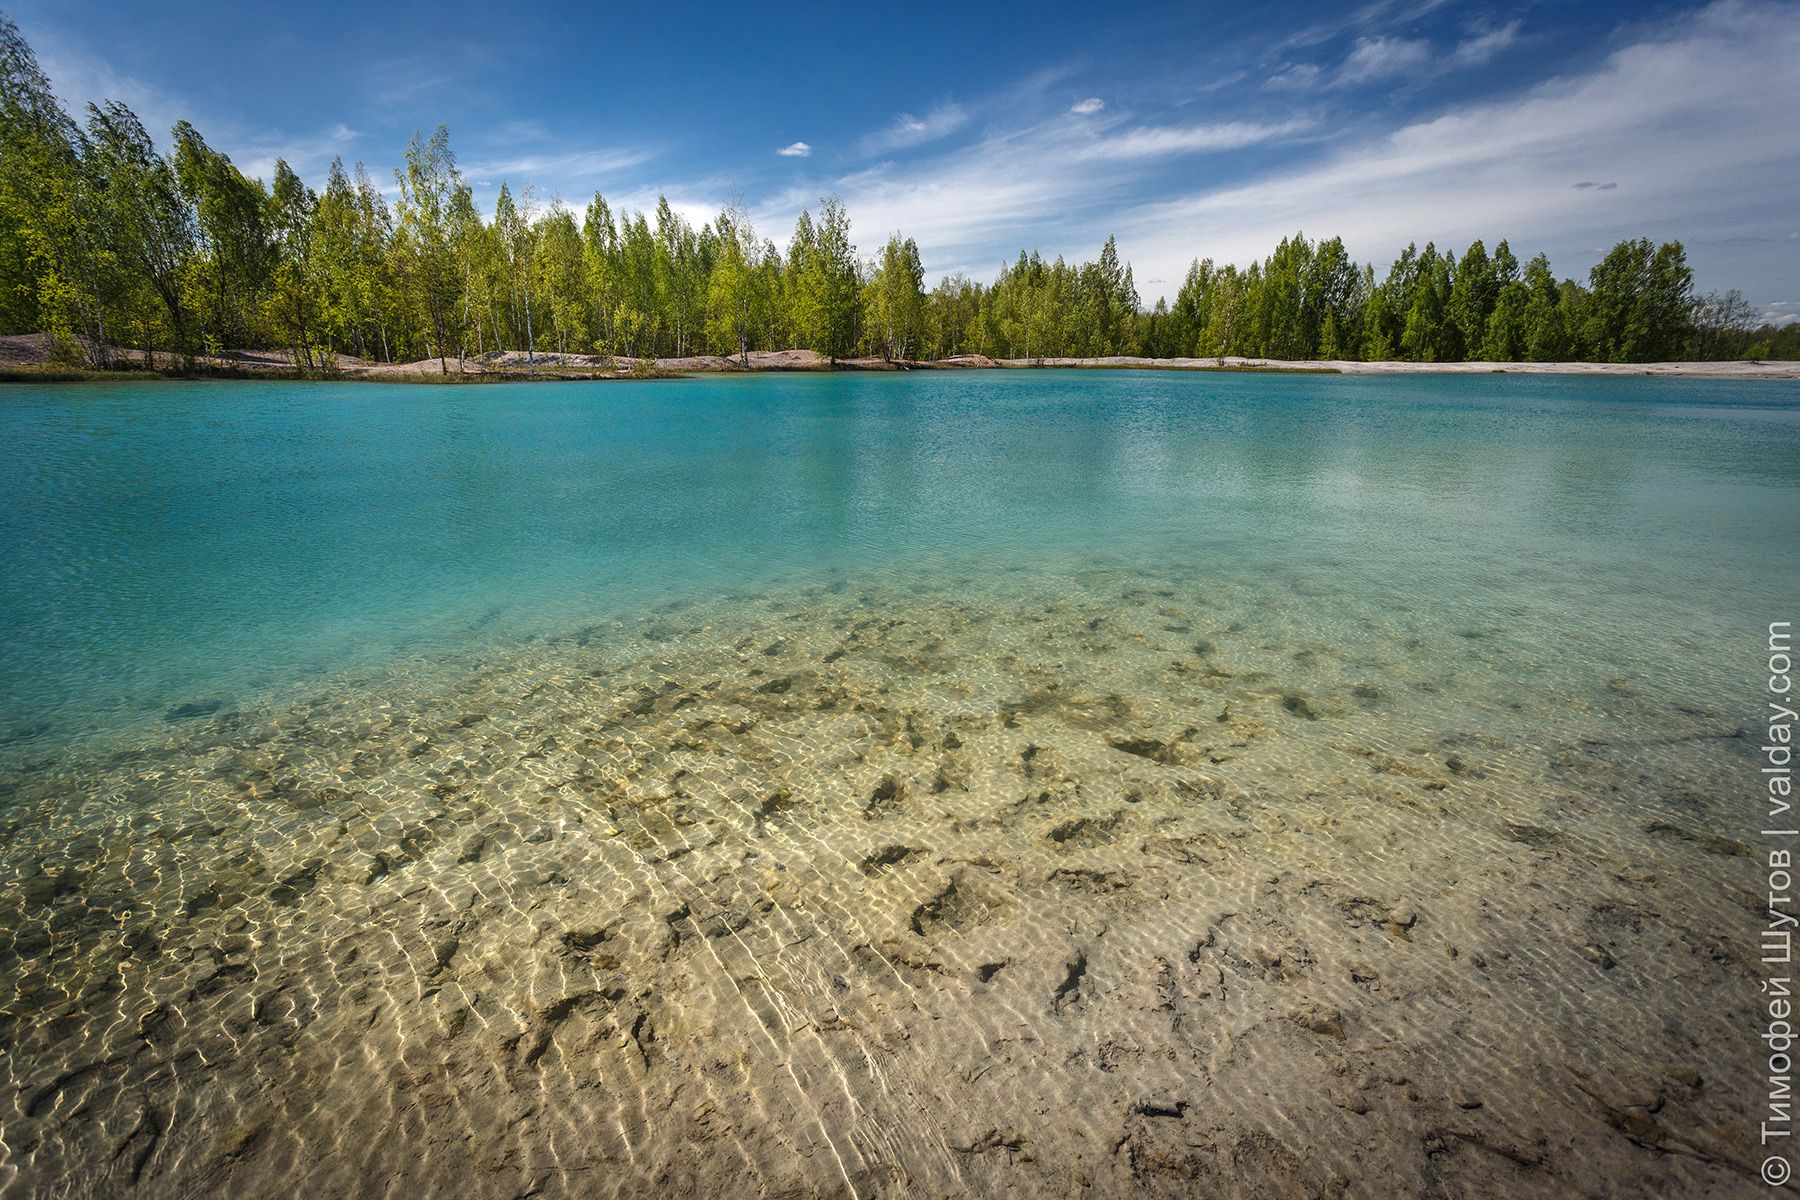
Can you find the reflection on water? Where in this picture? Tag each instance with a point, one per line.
(1037, 782)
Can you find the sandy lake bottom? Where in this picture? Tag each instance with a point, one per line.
(1113, 886)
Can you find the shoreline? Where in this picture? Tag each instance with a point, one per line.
(28, 358)
(1691, 370)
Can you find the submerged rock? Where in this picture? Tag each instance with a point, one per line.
(192, 709)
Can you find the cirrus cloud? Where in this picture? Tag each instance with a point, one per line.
(1475, 50)
(908, 131)
(1377, 58)
(1151, 142)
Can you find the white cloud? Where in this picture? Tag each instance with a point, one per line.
(908, 131)
(953, 209)
(1667, 119)
(1295, 77)
(1026, 186)
(310, 155)
(575, 167)
(694, 211)
(1377, 58)
(78, 79)
(795, 150)
(1092, 104)
(1386, 13)
(1474, 51)
(1158, 142)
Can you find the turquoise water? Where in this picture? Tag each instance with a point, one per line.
(966, 783)
(171, 544)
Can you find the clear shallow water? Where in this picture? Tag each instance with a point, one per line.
(191, 544)
(1034, 783)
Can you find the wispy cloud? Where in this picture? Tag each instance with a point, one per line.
(308, 155)
(1387, 14)
(908, 131)
(1374, 59)
(955, 208)
(1193, 139)
(1380, 58)
(1092, 104)
(411, 83)
(1477, 49)
(568, 169)
(1005, 186)
(80, 79)
(1294, 77)
(795, 150)
(693, 209)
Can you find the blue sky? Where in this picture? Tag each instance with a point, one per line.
(1186, 129)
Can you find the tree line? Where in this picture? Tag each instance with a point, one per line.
(106, 241)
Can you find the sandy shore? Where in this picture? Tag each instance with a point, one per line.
(1713, 370)
(28, 355)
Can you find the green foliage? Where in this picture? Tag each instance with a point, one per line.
(824, 281)
(424, 243)
(1773, 342)
(1639, 301)
(237, 253)
(57, 269)
(1724, 326)
(895, 300)
(143, 218)
(739, 291)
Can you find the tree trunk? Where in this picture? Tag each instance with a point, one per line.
(463, 351)
(100, 326)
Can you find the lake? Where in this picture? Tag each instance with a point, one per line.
(887, 783)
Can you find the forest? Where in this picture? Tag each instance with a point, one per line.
(107, 242)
